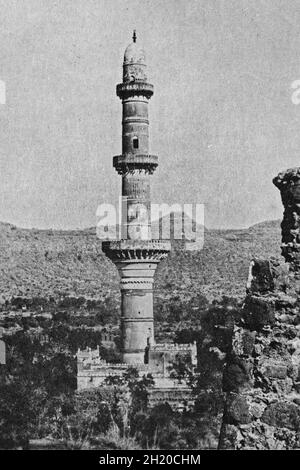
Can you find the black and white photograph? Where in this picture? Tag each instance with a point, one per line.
(149, 230)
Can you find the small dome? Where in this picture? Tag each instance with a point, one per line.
(134, 65)
(134, 53)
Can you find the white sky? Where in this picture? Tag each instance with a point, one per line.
(222, 119)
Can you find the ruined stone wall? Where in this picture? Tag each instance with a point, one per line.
(262, 375)
(262, 372)
(288, 182)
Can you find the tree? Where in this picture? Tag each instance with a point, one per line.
(78, 419)
(16, 414)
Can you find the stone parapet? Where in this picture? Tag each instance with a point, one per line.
(129, 163)
(127, 89)
(137, 250)
(126, 244)
(173, 347)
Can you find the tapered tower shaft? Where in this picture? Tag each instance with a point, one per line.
(136, 255)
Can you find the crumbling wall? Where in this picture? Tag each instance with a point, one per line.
(288, 182)
(262, 373)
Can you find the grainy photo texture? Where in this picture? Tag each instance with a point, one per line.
(150, 227)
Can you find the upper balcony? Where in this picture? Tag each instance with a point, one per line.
(126, 163)
(128, 89)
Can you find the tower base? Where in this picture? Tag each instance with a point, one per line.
(136, 261)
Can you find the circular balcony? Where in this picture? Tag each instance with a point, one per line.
(125, 90)
(127, 163)
(136, 250)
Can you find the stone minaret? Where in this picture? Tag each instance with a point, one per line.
(136, 255)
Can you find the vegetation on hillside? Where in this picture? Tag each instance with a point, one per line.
(51, 264)
(59, 293)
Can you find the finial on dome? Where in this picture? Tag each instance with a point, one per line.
(134, 36)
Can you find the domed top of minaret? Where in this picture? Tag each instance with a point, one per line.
(134, 53)
(134, 65)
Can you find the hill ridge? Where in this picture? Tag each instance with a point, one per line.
(45, 262)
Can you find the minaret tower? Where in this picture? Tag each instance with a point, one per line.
(136, 255)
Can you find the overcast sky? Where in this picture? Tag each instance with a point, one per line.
(222, 120)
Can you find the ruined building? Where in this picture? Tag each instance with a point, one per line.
(136, 254)
(262, 374)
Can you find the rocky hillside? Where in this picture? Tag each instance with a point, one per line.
(54, 263)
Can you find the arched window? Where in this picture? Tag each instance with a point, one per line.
(135, 141)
